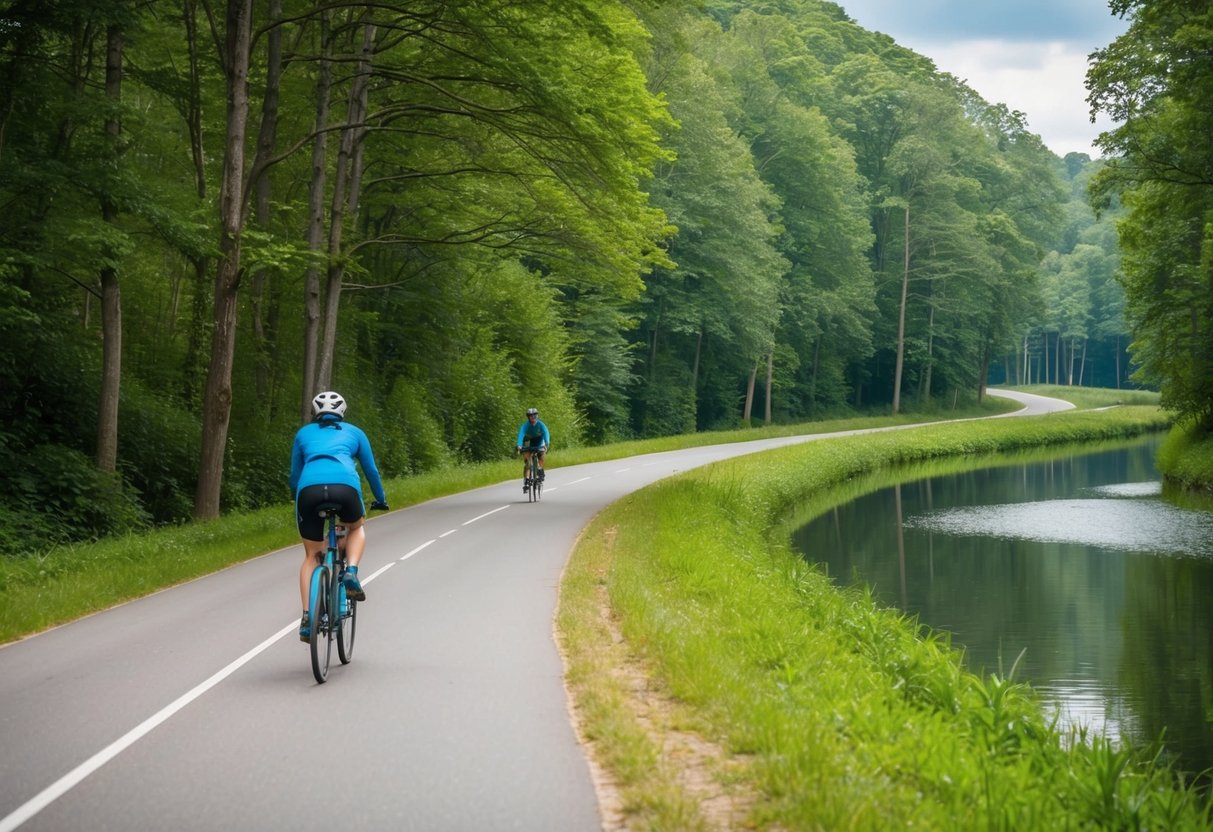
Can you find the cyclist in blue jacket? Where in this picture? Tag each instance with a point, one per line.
(322, 471)
(533, 437)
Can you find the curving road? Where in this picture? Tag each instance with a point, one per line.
(195, 708)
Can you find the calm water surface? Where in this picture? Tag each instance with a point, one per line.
(1079, 564)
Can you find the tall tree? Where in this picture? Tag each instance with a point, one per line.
(236, 52)
(1155, 81)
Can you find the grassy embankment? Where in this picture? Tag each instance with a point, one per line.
(63, 583)
(722, 681)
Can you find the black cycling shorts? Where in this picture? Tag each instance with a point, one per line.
(307, 512)
(528, 448)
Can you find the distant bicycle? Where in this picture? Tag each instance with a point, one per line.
(333, 616)
(533, 482)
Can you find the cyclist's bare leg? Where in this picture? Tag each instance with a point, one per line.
(355, 541)
(313, 554)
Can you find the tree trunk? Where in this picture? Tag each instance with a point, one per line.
(217, 399)
(192, 363)
(925, 389)
(347, 183)
(695, 363)
(1057, 351)
(766, 415)
(315, 227)
(111, 295)
(266, 139)
(1044, 361)
(813, 376)
(749, 396)
(1082, 362)
(1118, 362)
(901, 320)
(983, 372)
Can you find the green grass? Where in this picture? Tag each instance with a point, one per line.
(834, 712)
(1085, 398)
(1186, 457)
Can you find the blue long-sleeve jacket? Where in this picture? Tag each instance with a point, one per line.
(532, 431)
(324, 453)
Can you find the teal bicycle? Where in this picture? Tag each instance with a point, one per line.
(533, 481)
(332, 615)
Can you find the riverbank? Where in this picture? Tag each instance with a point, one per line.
(1186, 459)
(722, 682)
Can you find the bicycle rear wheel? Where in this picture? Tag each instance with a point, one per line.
(322, 631)
(345, 632)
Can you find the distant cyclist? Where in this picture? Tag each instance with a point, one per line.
(322, 471)
(533, 438)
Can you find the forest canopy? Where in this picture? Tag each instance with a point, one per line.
(642, 218)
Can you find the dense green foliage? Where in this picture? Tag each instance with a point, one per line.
(830, 711)
(642, 218)
(1155, 81)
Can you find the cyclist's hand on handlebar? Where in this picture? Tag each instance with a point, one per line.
(379, 505)
(517, 449)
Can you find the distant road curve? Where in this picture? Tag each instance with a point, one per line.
(1033, 405)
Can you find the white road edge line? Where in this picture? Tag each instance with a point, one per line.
(379, 571)
(418, 549)
(68, 781)
(444, 534)
(574, 482)
(486, 514)
(623, 470)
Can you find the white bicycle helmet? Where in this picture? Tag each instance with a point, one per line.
(328, 402)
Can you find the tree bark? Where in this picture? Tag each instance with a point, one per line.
(347, 184)
(191, 366)
(217, 397)
(315, 227)
(925, 394)
(766, 416)
(266, 139)
(749, 396)
(111, 294)
(901, 319)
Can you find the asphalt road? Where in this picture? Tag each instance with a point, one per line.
(195, 708)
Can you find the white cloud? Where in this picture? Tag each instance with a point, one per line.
(1030, 55)
(1045, 81)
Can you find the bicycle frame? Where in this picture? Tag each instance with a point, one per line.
(332, 613)
(533, 482)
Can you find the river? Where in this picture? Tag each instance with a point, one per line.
(1076, 573)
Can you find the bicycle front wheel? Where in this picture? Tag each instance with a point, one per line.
(322, 631)
(345, 632)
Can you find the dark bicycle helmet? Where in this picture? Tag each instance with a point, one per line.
(328, 403)
(532, 411)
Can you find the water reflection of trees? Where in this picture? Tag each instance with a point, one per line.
(1167, 668)
(1132, 633)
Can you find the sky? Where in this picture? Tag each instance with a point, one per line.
(1028, 54)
